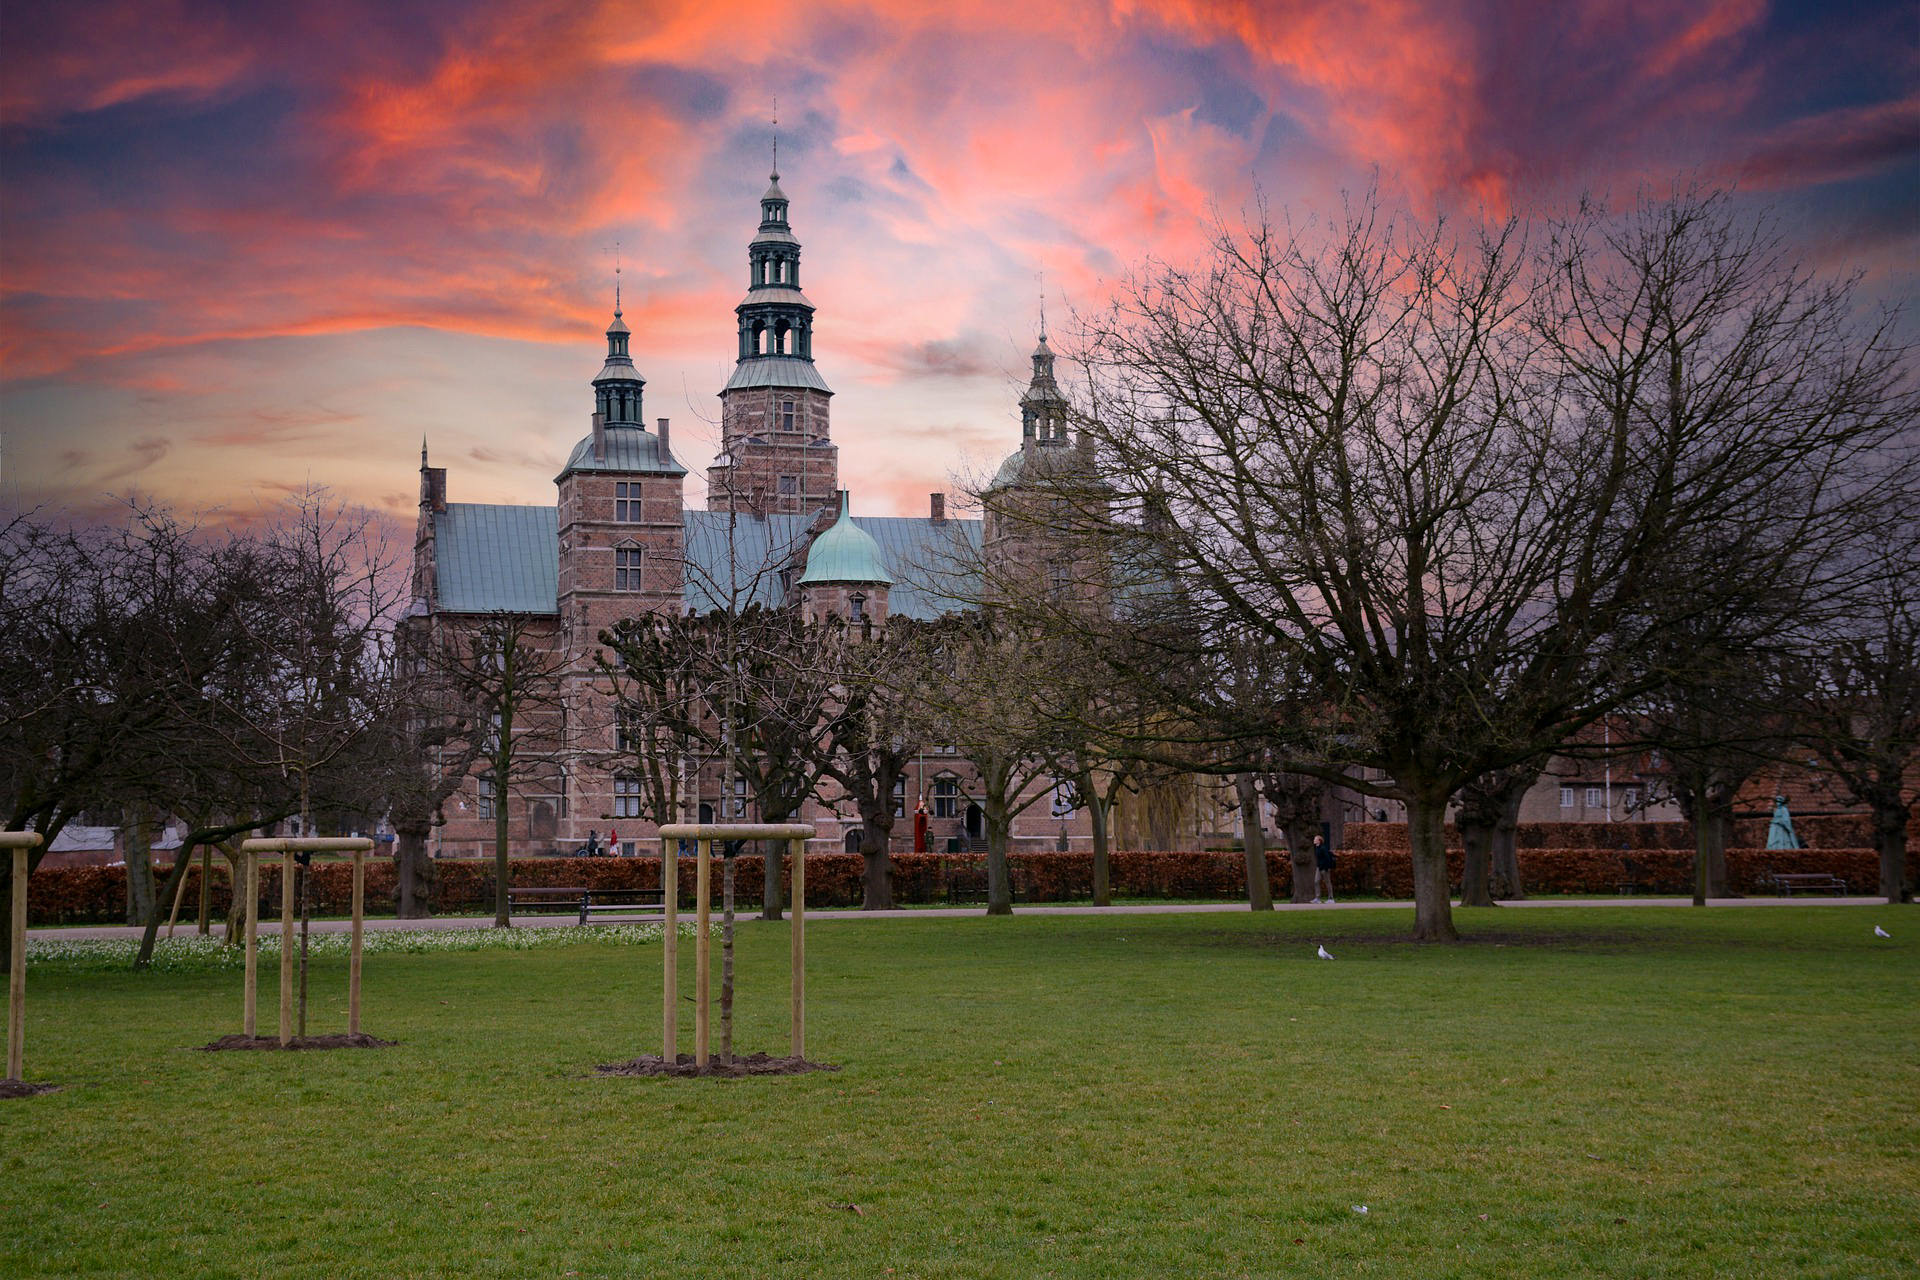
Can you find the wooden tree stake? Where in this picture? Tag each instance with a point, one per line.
(251, 928)
(353, 961)
(798, 1038)
(22, 844)
(286, 948)
(670, 950)
(702, 951)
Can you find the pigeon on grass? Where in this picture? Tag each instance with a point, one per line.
(1878, 932)
(1325, 954)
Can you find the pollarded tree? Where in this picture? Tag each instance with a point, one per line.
(875, 725)
(1468, 490)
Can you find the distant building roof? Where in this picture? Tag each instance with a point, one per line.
(629, 448)
(735, 560)
(497, 559)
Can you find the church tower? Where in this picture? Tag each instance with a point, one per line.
(776, 451)
(1037, 499)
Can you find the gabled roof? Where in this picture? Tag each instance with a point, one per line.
(496, 559)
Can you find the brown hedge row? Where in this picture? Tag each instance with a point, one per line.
(71, 895)
(1818, 831)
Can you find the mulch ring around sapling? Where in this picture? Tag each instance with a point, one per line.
(339, 1040)
(743, 1064)
(25, 1088)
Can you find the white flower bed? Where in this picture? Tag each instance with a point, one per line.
(196, 954)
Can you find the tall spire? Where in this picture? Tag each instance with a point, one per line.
(775, 318)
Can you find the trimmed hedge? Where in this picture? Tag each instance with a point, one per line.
(1834, 831)
(71, 895)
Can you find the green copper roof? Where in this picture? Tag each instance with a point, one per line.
(496, 559)
(846, 553)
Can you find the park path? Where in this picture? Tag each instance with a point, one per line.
(820, 916)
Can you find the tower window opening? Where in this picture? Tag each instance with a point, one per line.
(626, 502)
(856, 608)
(786, 415)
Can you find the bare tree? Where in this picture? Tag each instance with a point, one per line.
(1861, 706)
(1468, 489)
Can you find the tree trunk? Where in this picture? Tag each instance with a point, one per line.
(1710, 851)
(182, 858)
(413, 873)
(237, 903)
(999, 880)
(502, 867)
(1890, 839)
(772, 892)
(1432, 907)
(1300, 856)
(1254, 841)
(1102, 852)
(1475, 874)
(876, 876)
(1506, 850)
(206, 890)
(136, 845)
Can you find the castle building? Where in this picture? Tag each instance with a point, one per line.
(620, 541)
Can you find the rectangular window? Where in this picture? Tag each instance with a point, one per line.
(946, 798)
(900, 798)
(786, 415)
(789, 485)
(626, 502)
(856, 608)
(1594, 799)
(626, 731)
(1059, 578)
(626, 797)
(1633, 799)
(626, 569)
(485, 802)
(1566, 797)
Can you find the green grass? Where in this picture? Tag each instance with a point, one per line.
(1583, 1092)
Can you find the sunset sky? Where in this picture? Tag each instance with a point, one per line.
(248, 246)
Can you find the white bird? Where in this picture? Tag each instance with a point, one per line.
(1359, 1208)
(1325, 954)
(1878, 932)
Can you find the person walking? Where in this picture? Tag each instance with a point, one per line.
(1322, 869)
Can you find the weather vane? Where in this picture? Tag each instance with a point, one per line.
(1041, 275)
(776, 137)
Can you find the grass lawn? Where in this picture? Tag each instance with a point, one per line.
(1580, 1092)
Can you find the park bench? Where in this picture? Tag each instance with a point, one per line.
(1785, 882)
(966, 884)
(1633, 877)
(634, 903)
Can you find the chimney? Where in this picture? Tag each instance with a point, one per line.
(599, 437)
(666, 446)
(939, 508)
